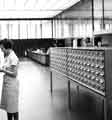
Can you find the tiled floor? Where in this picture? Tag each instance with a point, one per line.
(36, 102)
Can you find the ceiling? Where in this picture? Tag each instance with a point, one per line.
(33, 8)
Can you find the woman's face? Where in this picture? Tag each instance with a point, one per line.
(1, 47)
(99, 44)
(6, 51)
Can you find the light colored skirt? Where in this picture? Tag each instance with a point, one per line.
(10, 94)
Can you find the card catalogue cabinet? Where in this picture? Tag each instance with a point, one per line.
(90, 67)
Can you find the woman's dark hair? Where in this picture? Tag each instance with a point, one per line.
(97, 39)
(8, 44)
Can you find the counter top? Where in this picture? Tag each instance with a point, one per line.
(85, 48)
(39, 53)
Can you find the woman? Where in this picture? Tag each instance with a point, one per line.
(10, 85)
(1, 65)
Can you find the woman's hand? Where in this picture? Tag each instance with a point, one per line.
(12, 70)
(1, 70)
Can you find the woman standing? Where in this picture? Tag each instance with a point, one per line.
(1, 65)
(10, 85)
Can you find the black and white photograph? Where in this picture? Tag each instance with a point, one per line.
(55, 59)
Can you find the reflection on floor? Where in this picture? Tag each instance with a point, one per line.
(36, 102)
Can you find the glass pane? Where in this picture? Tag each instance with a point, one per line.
(38, 30)
(13, 29)
(4, 29)
(46, 29)
(23, 30)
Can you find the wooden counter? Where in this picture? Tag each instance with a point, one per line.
(41, 58)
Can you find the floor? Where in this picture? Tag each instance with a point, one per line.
(37, 103)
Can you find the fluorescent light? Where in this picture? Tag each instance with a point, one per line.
(33, 8)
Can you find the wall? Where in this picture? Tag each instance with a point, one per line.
(21, 45)
(79, 19)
